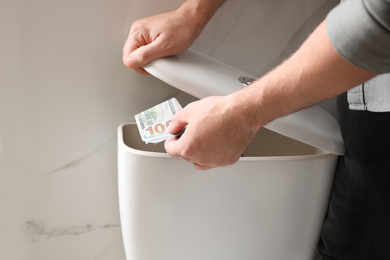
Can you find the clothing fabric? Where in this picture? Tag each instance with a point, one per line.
(357, 224)
(373, 95)
(360, 32)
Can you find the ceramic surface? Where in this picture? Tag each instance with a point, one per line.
(269, 205)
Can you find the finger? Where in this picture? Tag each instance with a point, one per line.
(171, 147)
(179, 121)
(130, 45)
(202, 167)
(174, 148)
(129, 61)
(146, 53)
(140, 70)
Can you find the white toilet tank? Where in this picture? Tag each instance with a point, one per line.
(269, 205)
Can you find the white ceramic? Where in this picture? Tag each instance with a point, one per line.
(269, 205)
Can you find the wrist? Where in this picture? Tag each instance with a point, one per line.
(268, 98)
(245, 105)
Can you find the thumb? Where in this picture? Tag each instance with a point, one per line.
(178, 122)
(144, 54)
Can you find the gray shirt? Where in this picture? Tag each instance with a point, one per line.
(360, 32)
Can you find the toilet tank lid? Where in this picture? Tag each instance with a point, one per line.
(201, 76)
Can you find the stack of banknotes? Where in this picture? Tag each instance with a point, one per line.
(153, 122)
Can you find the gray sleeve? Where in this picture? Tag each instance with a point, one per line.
(360, 32)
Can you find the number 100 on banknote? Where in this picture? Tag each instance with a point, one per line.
(153, 122)
(159, 128)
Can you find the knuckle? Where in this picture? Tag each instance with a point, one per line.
(186, 153)
(142, 56)
(137, 26)
(138, 31)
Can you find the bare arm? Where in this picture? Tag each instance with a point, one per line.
(314, 73)
(167, 33)
(219, 129)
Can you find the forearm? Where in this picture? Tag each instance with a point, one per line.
(314, 73)
(199, 12)
(220, 128)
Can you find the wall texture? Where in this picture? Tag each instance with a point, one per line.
(63, 92)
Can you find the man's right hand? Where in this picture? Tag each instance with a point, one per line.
(166, 34)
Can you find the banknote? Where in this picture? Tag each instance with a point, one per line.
(153, 122)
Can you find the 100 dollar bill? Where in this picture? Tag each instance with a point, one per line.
(153, 122)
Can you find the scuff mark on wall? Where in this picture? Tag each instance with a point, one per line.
(37, 230)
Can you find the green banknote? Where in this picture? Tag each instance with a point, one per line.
(153, 122)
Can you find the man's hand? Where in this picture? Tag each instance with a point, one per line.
(217, 132)
(166, 34)
(154, 37)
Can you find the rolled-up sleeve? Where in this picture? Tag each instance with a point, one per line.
(360, 32)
